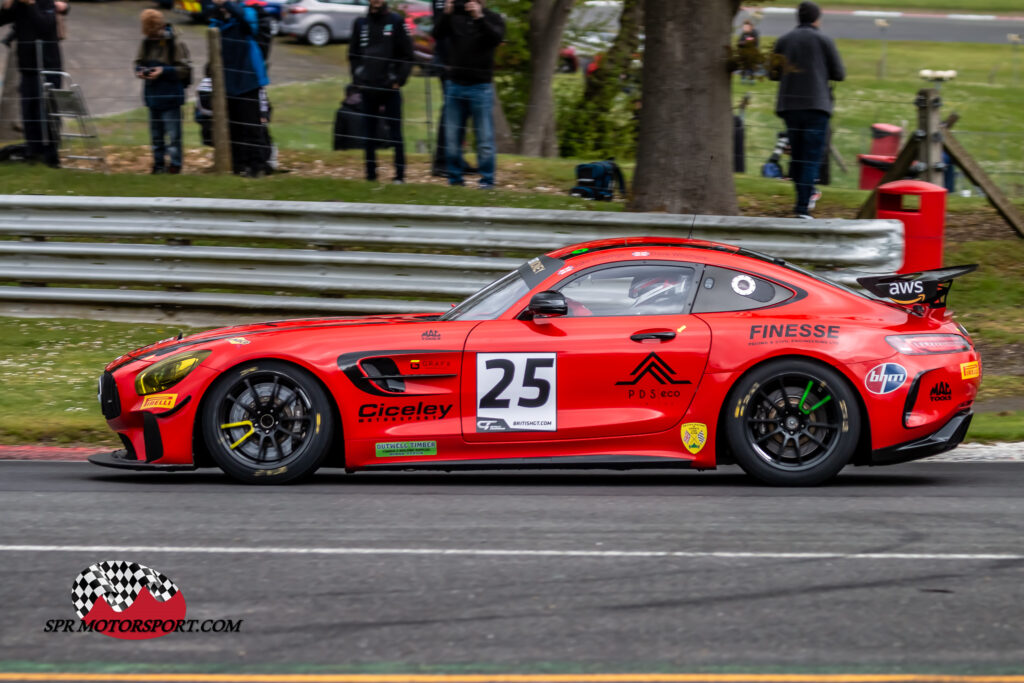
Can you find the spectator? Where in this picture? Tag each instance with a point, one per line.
(439, 167)
(749, 37)
(805, 100)
(164, 65)
(473, 33)
(244, 74)
(380, 56)
(37, 30)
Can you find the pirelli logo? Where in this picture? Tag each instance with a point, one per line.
(970, 370)
(159, 402)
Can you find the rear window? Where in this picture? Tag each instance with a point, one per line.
(723, 289)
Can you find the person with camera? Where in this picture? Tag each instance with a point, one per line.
(245, 73)
(37, 30)
(809, 60)
(380, 56)
(473, 33)
(164, 66)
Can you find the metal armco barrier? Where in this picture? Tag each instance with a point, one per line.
(342, 274)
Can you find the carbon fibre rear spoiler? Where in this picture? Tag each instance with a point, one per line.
(927, 288)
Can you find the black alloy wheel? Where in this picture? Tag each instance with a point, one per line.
(267, 422)
(792, 422)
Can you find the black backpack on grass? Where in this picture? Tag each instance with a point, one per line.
(597, 180)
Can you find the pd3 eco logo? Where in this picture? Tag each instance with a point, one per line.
(127, 600)
(885, 378)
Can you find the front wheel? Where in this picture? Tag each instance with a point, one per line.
(792, 422)
(318, 35)
(267, 422)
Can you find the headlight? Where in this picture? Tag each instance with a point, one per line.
(165, 374)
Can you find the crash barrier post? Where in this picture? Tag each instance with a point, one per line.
(921, 207)
(330, 258)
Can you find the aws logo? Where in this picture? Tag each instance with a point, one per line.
(653, 366)
(906, 292)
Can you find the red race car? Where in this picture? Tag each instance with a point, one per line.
(620, 353)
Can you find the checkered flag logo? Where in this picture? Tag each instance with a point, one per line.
(119, 583)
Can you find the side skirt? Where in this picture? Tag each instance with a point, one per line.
(569, 462)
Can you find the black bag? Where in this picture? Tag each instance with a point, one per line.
(597, 180)
(187, 81)
(349, 123)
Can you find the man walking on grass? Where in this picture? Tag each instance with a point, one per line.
(809, 60)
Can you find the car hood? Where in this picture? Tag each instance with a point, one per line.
(171, 345)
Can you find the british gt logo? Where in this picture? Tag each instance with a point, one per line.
(885, 378)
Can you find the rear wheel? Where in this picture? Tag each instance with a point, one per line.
(792, 422)
(267, 422)
(318, 35)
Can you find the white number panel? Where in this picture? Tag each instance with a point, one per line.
(516, 392)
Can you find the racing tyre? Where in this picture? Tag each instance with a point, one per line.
(318, 35)
(267, 422)
(792, 423)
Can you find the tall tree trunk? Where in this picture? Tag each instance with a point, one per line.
(684, 152)
(547, 24)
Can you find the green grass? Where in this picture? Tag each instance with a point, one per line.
(990, 302)
(1003, 426)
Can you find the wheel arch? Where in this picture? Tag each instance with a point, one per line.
(336, 457)
(862, 455)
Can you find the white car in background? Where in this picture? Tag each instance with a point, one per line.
(320, 22)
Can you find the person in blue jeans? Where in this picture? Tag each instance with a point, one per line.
(808, 61)
(164, 66)
(472, 33)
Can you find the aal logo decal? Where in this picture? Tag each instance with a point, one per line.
(885, 378)
(431, 335)
(695, 435)
(115, 598)
(940, 392)
(655, 367)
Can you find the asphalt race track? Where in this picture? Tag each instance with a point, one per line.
(917, 568)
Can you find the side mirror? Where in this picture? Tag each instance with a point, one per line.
(547, 304)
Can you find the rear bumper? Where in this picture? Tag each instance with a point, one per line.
(119, 459)
(945, 439)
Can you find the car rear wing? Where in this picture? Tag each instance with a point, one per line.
(927, 288)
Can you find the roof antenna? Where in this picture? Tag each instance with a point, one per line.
(703, 189)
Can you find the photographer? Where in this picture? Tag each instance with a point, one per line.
(37, 30)
(472, 33)
(380, 55)
(163, 65)
(244, 74)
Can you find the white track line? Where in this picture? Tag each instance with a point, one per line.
(495, 552)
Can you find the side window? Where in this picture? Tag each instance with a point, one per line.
(634, 289)
(721, 289)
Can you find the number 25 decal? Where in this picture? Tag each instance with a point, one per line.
(516, 392)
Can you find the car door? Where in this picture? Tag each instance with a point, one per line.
(626, 359)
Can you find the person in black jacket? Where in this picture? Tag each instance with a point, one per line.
(164, 65)
(37, 31)
(473, 33)
(380, 55)
(245, 73)
(809, 61)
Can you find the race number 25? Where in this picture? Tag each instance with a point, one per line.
(516, 392)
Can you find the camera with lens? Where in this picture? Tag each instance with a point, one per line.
(459, 6)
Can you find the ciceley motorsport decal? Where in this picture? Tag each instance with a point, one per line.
(413, 412)
(127, 600)
(516, 392)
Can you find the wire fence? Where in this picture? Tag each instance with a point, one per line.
(307, 90)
